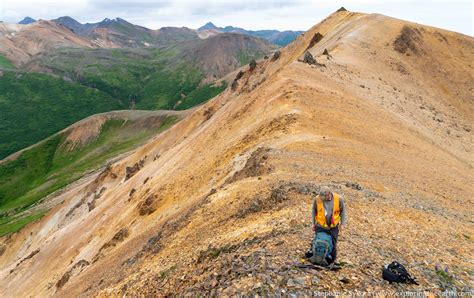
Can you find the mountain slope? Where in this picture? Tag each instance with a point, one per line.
(223, 53)
(224, 209)
(34, 106)
(19, 42)
(73, 25)
(35, 172)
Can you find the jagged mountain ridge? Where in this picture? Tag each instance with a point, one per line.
(281, 38)
(21, 43)
(221, 202)
(120, 33)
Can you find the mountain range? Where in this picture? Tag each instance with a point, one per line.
(108, 65)
(145, 36)
(120, 33)
(281, 38)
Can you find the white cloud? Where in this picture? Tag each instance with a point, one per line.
(454, 15)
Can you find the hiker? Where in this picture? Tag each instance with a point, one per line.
(329, 216)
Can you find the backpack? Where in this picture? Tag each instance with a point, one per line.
(395, 272)
(321, 249)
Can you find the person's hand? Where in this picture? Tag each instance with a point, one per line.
(341, 228)
(314, 228)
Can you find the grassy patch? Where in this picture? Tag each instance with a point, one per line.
(14, 225)
(200, 95)
(213, 252)
(446, 280)
(5, 63)
(246, 56)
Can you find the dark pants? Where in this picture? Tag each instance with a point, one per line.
(334, 232)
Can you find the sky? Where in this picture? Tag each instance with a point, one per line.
(456, 15)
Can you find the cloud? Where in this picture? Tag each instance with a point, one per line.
(269, 14)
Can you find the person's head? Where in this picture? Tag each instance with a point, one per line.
(325, 193)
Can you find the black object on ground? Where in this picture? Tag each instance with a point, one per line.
(396, 272)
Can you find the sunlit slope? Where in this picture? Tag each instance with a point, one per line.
(220, 203)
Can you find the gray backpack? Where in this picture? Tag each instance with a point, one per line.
(321, 248)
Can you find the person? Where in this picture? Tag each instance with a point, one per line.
(329, 216)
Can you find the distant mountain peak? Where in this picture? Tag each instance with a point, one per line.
(208, 26)
(67, 20)
(26, 21)
(108, 21)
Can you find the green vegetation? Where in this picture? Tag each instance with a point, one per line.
(7, 225)
(5, 63)
(49, 166)
(446, 280)
(200, 95)
(35, 106)
(151, 77)
(246, 56)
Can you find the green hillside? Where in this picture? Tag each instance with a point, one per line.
(5, 63)
(87, 82)
(153, 78)
(49, 166)
(35, 106)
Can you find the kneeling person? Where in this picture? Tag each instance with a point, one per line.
(329, 218)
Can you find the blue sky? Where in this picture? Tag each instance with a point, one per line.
(454, 15)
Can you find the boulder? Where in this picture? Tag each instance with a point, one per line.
(235, 81)
(276, 55)
(308, 58)
(316, 38)
(252, 65)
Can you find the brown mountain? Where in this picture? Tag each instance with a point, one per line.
(119, 33)
(216, 56)
(220, 203)
(220, 54)
(20, 42)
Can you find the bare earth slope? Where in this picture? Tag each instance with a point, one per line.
(19, 42)
(220, 54)
(221, 201)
